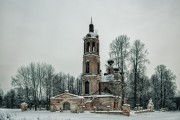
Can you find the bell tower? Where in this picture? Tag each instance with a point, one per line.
(91, 63)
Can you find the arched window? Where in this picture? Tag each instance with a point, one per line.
(86, 87)
(87, 67)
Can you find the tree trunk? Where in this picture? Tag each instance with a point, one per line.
(135, 87)
(161, 103)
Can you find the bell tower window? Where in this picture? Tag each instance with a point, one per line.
(88, 47)
(87, 67)
(93, 47)
(97, 47)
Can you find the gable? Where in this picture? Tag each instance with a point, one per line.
(66, 95)
(106, 90)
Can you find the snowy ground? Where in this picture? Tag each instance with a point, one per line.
(16, 114)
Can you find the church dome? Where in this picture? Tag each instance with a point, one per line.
(116, 69)
(110, 61)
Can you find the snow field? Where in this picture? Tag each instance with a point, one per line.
(16, 114)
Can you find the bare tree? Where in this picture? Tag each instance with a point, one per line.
(40, 76)
(138, 59)
(33, 79)
(22, 81)
(37, 83)
(119, 51)
(164, 87)
(78, 85)
(48, 84)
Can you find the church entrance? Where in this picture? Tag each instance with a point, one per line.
(66, 106)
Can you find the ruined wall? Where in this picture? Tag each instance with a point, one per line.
(75, 102)
(104, 103)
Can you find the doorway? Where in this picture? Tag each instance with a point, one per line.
(66, 106)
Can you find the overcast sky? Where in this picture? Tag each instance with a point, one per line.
(52, 31)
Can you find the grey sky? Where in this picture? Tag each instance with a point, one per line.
(51, 31)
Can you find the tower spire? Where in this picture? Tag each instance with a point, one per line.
(91, 26)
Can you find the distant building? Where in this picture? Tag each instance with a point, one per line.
(97, 92)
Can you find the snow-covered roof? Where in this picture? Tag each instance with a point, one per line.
(107, 78)
(91, 75)
(102, 96)
(23, 103)
(57, 96)
(126, 104)
(81, 97)
(87, 54)
(110, 59)
(92, 35)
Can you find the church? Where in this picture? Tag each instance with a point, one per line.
(99, 92)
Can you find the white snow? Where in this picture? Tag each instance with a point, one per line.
(108, 78)
(93, 35)
(91, 75)
(23, 103)
(90, 54)
(81, 97)
(16, 114)
(57, 96)
(100, 96)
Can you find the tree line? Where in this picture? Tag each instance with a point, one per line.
(36, 84)
(131, 59)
